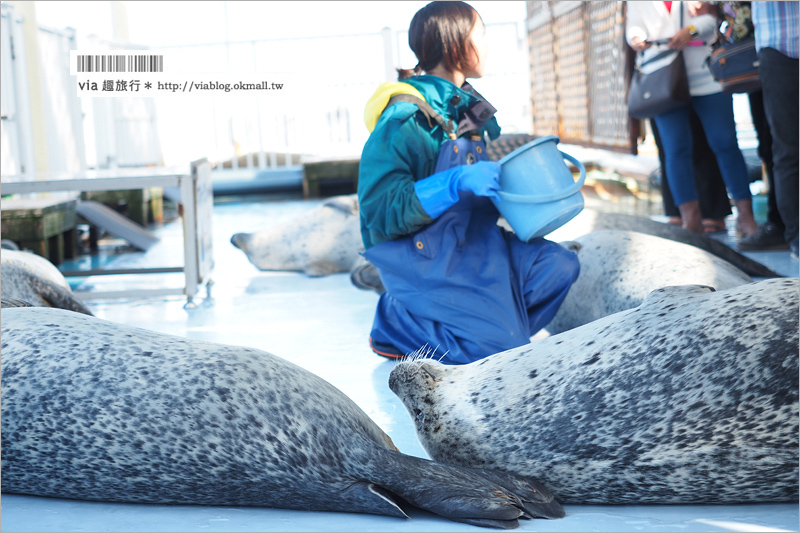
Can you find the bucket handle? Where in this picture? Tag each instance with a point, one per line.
(552, 197)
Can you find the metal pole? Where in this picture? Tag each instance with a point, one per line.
(388, 55)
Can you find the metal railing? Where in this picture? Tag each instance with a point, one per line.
(245, 135)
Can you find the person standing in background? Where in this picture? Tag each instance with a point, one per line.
(713, 198)
(736, 25)
(776, 32)
(649, 21)
(770, 234)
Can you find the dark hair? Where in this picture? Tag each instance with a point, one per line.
(440, 32)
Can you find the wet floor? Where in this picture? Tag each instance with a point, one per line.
(321, 324)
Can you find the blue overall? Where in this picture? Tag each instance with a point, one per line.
(464, 286)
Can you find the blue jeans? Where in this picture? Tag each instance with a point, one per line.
(716, 114)
(779, 85)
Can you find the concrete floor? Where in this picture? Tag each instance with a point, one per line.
(321, 324)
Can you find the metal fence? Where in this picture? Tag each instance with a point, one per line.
(578, 60)
(579, 64)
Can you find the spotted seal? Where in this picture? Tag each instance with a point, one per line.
(590, 220)
(365, 276)
(31, 278)
(327, 240)
(101, 411)
(692, 397)
(620, 268)
(322, 241)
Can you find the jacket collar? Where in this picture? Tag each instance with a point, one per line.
(472, 110)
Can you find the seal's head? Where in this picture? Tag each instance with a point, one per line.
(414, 382)
(320, 241)
(425, 387)
(446, 420)
(241, 240)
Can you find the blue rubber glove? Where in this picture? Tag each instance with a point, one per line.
(439, 192)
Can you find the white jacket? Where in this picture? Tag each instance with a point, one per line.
(651, 21)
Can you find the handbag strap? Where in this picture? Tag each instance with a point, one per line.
(659, 55)
(663, 54)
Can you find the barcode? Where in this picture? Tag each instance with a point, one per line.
(120, 63)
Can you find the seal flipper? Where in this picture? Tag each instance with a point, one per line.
(536, 499)
(674, 292)
(13, 302)
(460, 494)
(372, 499)
(58, 296)
(364, 275)
(485, 522)
(319, 268)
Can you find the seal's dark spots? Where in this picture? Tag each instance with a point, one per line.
(533, 374)
(595, 358)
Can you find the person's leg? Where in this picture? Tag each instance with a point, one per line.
(546, 271)
(670, 209)
(716, 114)
(712, 195)
(770, 234)
(676, 138)
(711, 192)
(761, 126)
(779, 84)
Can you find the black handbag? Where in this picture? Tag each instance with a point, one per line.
(656, 87)
(653, 92)
(735, 66)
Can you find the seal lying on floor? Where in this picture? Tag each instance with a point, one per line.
(33, 279)
(620, 268)
(365, 276)
(592, 220)
(691, 397)
(95, 410)
(325, 240)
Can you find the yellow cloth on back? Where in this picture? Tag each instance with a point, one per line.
(377, 102)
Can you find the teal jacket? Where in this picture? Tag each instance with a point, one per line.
(401, 150)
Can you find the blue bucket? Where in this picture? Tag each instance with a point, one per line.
(537, 191)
